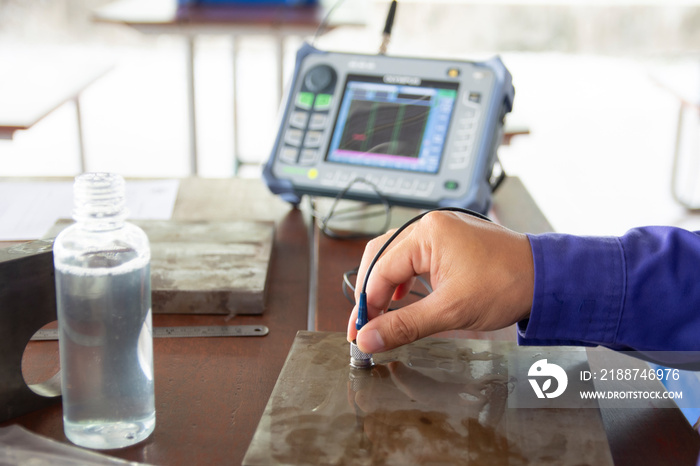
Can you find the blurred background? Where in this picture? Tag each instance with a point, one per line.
(599, 85)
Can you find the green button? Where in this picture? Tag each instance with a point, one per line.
(305, 100)
(323, 102)
(294, 170)
(451, 185)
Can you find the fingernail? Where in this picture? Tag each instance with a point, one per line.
(370, 341)
(351, 327)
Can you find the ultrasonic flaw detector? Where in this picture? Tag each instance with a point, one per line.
(420, 132)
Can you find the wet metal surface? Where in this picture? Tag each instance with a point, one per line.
(436, 401)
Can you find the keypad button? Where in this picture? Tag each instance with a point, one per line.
(458, 159)
(456, 164)
(289, 154)
(389, 184)
(308, 156)
(305, 100)
(313, 139)
(323, 102)
(470, 111)
(462, 146)
(318, 121)
(407, 186)
(344, 178)
(364, 187)
(424, 188)
(475, 97)
(329, 178)
(451, 185)
(374, 179)
(299, 119)
(293, 137)
(463, 134)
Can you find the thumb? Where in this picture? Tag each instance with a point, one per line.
(396, 328)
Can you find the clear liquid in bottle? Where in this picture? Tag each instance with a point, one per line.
(104, 313)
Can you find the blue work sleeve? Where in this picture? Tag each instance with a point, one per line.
(640, 291)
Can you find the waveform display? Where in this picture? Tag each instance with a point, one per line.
(385, 128)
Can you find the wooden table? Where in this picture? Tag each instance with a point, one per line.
(166, 17)
(211, 393)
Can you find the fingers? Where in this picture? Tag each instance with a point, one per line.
(393, 275)
(371, 251)
(403, 289)
(368, 256)
(352, 331)
(405, 325)
(395, 272)
(401, 292)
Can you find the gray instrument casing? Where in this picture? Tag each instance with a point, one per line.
(298, 162)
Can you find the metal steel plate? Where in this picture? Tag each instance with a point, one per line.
(436, 401)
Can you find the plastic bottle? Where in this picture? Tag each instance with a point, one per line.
(103, 296)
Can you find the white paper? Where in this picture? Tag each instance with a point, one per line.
(29, 209)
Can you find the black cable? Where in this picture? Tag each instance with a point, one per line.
(349, 288)
(498, 176)
(324, 22)
(353, 214)
(347, 285)
(409, 223)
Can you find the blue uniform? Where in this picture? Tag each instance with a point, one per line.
(640, 291)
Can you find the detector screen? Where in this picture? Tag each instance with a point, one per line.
(393, 122)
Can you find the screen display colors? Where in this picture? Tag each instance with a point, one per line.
(393, 122)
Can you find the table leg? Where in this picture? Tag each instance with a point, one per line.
(313, 273)
(81, 142)
(279, 57)
(189, 58)
(236, 126)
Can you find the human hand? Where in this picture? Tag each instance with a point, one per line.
(482, 275)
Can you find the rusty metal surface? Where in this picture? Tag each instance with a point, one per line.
(215, 267)
(206, 267)
(436, 401)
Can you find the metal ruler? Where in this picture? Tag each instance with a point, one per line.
(182, 332)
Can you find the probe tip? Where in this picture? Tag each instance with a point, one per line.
(358, 359)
